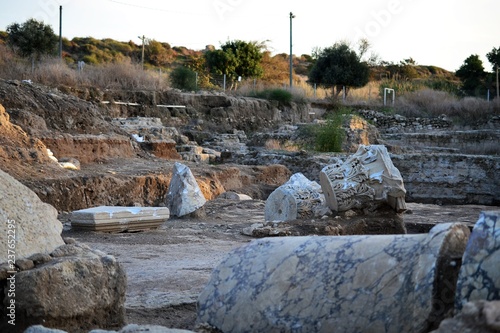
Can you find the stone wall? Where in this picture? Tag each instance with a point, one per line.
(450, 178)
(428, 178)
(397, 123)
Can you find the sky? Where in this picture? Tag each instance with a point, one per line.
(442, 33)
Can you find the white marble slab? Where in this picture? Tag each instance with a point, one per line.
(118, 219)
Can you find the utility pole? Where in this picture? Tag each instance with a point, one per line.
(60, 32)
(142, 58)
(291, 61)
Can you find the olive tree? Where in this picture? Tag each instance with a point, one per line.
(338, 66)
(32, 39)
(236, 58)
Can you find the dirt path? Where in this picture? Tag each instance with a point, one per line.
(167, 268)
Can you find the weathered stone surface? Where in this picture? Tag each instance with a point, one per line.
(84, 290)
(131, 328)
(478, 316)
(25, 218)
(479, 277)
(450, 178)
(230, 195)
(335, 284)
(298, 198)
(42, 329)
(364, 180)
(119, 219)
(184, 195)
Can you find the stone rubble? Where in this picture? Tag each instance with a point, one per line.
(298, 198)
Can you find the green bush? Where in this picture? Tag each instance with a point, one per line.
(276, 94)
(280, 95)
(329, 137)
(183, 78)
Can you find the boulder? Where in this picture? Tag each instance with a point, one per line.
(298, 198)
(78, 288)
(25, 218)
(366, 179)
(184, 195)
(383, 283)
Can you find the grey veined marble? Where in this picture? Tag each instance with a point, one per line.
(349, 284)
(479, 277)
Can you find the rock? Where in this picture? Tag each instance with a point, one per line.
(479, 277)
(42, 329)
(133, 328)
(230, 195)
(25, 218)
(248, 231)
(296, 199)
(184, 195)
(40, 258)
(478, 316)
(386, 283)
(366, 179)
(83, 289)
(24, 264)
(70, 163)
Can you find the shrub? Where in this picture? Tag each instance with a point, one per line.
(183, 78)
(329, 136)
(280, 95)
(276, 94)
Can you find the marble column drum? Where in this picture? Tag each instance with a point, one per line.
(336, 284)
(479, 277)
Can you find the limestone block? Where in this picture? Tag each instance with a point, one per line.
(119, 219)
(296, 199)
(25, 218)
(184, 195)
(382, 283)
(479, 277)
(365, 179)
(78, 288)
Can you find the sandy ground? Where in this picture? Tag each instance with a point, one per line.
(167, 268)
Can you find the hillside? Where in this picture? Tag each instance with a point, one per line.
(163, 56)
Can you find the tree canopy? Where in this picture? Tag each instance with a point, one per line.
(32, 38)
(494, 58)
(472, 75)
(236, 58)
(339, 66)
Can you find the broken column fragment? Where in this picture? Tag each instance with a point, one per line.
(296, 199)
(366, 179)
(479, 277)
(383, 283)
(184, 195)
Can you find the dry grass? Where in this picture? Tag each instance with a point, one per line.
(53, 72)
(273, 144)
(431, 103)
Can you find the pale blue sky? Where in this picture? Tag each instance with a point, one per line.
(432, 32)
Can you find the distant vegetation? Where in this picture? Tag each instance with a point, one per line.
(250, 70)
